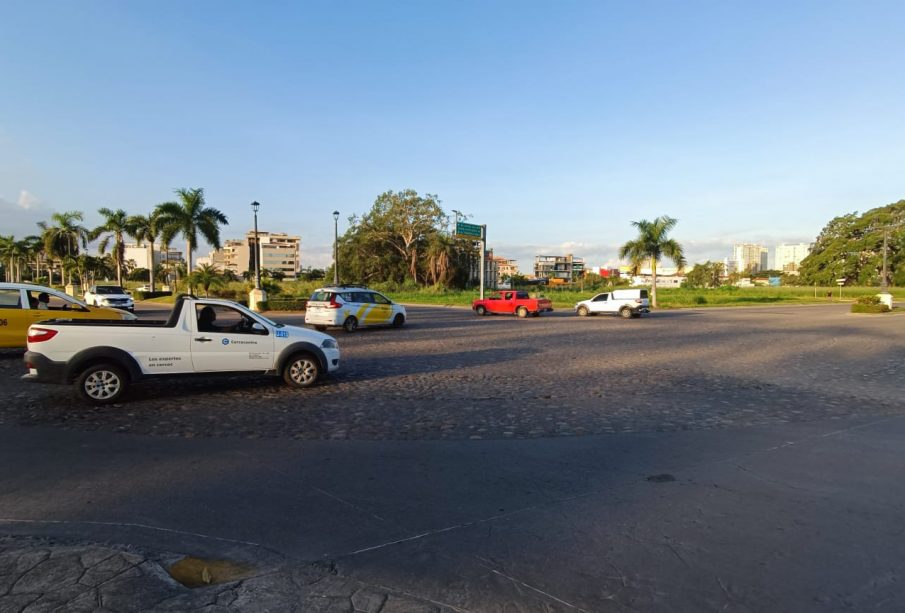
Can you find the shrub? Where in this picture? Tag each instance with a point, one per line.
(700, 300)
(868, 300)
(283, 304)
(149, 295)
(869, 308)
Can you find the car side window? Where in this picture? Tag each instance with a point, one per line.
(379, 299)
(10, 299)
(508, 295)
(601, 298)
(221, 319)
(349, 297)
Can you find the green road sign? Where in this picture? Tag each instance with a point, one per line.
(469, 230)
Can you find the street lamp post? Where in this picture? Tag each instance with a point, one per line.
(254, 207)
(335, 247)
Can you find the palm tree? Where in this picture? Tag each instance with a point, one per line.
(652, 243)
(189, 216)
(147, 228)
(207, 276)
(115, 228)
(62, 239)
(7, 250)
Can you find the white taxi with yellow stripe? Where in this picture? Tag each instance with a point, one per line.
(352, 306)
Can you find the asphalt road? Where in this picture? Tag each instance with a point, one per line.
(744, 460)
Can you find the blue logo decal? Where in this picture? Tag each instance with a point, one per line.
(282, 334)
(225, 341)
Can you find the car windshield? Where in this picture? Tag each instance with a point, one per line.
(108, 289)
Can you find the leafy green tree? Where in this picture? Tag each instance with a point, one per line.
(63, 237)
(189, 216)
(653, 244)
(709, 274)
(851, 247)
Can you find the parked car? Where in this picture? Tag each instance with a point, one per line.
(22, 304)
(623, 302)
(109, 296)
(351, 306)
(202, 336)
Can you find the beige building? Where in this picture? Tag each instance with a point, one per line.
(278, 251)
(504, 269)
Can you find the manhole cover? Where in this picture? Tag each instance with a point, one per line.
(198, 572)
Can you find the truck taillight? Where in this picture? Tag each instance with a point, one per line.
(39, 335)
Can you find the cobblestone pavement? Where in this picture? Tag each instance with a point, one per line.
(38, 575)
(452, 375)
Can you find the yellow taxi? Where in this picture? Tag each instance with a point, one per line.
(22, 304)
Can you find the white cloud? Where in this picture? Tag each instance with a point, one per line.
(28, 201)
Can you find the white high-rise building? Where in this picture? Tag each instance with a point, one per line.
(788, 257)
(141, 255)
(750, 257)
(278, 251)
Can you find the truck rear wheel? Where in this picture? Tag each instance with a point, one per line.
(522, 312)
(625, 312)
(480, 310)
(102, 383)
(301, 370)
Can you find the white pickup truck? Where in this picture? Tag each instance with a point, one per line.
(202, 336)
(623, 302)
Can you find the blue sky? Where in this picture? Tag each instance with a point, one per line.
(554, 123)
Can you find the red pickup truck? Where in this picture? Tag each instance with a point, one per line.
(512, 303)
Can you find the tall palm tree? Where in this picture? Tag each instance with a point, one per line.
(63, 237)
(115, 227)
(188, 216)
(7, 254)
(653, 244)
(147, 228)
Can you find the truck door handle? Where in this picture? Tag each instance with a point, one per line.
(203, 340)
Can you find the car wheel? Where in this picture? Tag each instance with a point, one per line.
(351, 324)
(583, 311)
(398, 320)
(301, 370)
(480, 310)
(522, 312)
(625, 313)
(102, 383)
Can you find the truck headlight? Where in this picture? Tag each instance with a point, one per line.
(329, 343)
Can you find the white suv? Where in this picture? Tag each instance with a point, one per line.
(625, 302)
(351, 306)
(109, 296)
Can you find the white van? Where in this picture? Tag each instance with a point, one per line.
(624, 302)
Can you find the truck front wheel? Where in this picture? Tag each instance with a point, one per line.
(480, 310)
(583, 311)
(522, 312)
(301, 370)
(102, 383)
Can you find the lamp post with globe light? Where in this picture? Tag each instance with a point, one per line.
(257, 295)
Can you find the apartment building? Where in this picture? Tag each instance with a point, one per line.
(504, 268)
(141, 255)
(558, 268)
(748, 257)
(278, 251)
(788, 257)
